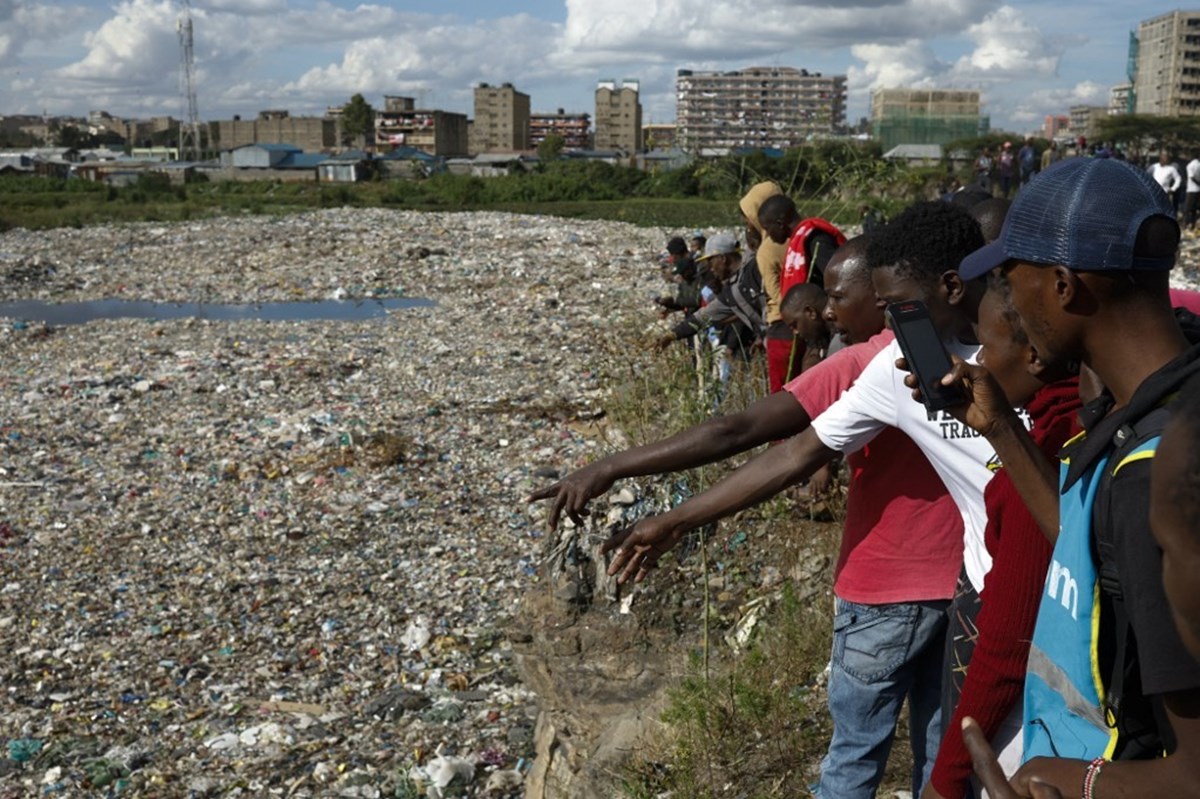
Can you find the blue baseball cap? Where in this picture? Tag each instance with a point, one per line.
(1081, 213)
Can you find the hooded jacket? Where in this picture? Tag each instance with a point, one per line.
(769, 254)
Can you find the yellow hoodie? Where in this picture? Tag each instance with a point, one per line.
(769, 255)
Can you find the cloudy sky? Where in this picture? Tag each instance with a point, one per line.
(72, 56)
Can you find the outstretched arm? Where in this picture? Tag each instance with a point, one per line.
(639, 547)
(774, 417)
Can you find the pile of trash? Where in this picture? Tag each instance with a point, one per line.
(259, 556)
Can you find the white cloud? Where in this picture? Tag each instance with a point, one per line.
(910, 63)
(244, 7)
(307, 54)
(1043, 102)
(135, 48)
(415, 59)
(23, 22)
(673, 30)
(1007, 46)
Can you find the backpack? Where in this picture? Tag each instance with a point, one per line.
(1141, 722)
(1142, 725)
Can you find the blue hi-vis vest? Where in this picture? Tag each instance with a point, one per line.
(1064, 684)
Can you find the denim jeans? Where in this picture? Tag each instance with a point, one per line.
(881, 655)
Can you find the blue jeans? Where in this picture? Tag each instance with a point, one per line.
(882, 654)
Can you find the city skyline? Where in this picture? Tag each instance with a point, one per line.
(1028, 59)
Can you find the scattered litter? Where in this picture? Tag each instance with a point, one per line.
(280, 557)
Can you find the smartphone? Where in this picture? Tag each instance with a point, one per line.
(925, 353)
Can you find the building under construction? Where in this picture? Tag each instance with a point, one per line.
(925, 116)
(757, 107)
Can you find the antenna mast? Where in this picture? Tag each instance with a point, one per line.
(189, 126)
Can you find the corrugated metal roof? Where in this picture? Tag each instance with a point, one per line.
(407, 154)
(273, 148)
(301, 160)
(928, 151)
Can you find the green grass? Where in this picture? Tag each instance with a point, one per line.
(703, 195)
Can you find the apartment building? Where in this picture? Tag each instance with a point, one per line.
(1120, 99)
(1056, 126)
(925, 116)
(618, 116)
(432, 131)
(1086, 119)
(501, 120)
(757, 107)
(575, 129)
(1166, 52)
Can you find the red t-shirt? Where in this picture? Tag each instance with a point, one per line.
(903, 536)
(1185, 298)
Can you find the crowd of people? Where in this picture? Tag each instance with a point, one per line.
(1019, 567)
(1007, 171)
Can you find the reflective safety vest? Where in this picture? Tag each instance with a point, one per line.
(1065, 712)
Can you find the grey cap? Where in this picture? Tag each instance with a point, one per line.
(720, 244)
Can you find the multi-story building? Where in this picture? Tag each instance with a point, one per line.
(311, 134)
(925, 116)
(1166, 52)
(401, 124)
(501, 120)
(1120, 99)
(618, 116)
(575, 129)
(1086, 119)
(658, 136)
(757, 107)
(1056, 126)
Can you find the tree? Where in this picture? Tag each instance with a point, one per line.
(550, 148)
(358, 122)
(71, 137)
(1143, 133)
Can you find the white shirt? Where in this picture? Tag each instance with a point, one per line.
(962, 458)
(1166, 176)
(1193, 176)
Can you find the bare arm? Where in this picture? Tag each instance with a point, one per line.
(1033, 475)
(639, 547)
(772, 418)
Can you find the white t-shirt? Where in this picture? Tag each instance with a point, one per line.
(962, 458)
(1193, 176)
(1166, 176)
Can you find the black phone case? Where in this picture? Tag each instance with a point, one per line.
(934, 395)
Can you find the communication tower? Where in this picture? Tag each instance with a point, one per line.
(189, 125)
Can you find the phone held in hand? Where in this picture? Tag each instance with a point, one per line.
(925, 353)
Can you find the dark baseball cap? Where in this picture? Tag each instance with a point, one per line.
(1081, 213)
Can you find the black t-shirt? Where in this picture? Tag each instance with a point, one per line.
(1163, 662)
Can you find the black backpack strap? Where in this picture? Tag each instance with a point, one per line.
(1143, 727)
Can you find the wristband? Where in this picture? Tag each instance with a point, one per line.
(1089, 778)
